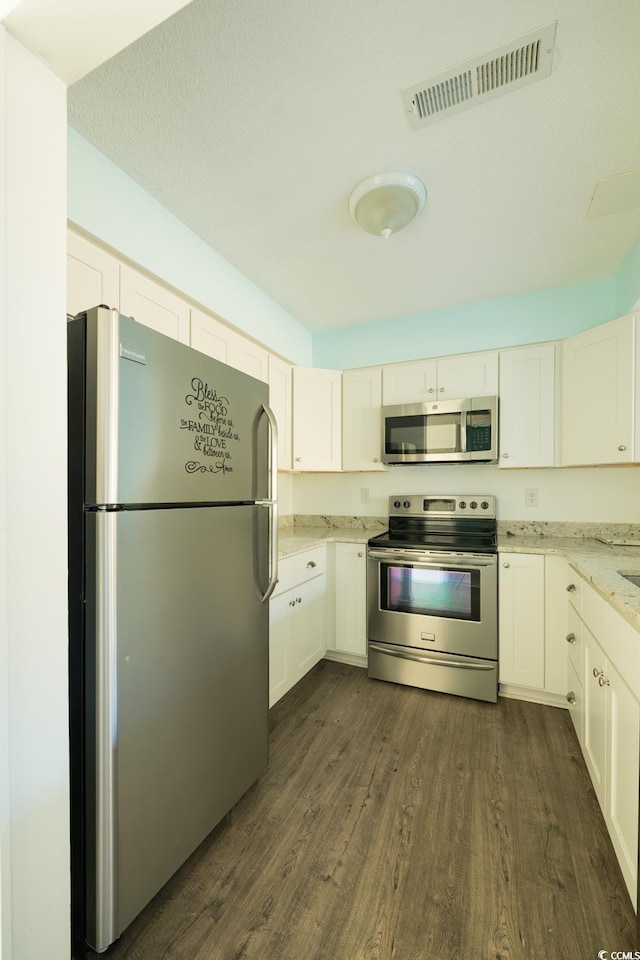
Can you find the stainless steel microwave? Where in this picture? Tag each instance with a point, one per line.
(442, 431)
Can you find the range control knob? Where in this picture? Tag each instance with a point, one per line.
(473, 504)
(396, 504)
(406, 503)
(462, 504)
(484, 505)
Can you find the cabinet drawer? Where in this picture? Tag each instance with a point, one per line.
(574, 589)
(574, 640)
(300, 567)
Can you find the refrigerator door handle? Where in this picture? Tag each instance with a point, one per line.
(272, 502)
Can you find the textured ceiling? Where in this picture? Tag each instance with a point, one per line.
(253, 122)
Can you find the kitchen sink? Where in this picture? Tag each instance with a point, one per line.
(633, 578)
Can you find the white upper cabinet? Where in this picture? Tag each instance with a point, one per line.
(280, 398)
(361, 420)
(598, 370)
(150, 303)
(210, 336)
(249, 357)
(466, 375)
(93, 276)
(317, 396)
(527, 413)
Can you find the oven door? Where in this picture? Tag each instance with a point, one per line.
(434, 601)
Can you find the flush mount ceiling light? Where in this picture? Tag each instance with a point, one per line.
(387, 202)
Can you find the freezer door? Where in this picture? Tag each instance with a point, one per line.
(165, 423)
(177, 693)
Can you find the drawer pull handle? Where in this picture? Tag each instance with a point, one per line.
(311, 564)
(571, 697)
(571, 638)
(571, 588)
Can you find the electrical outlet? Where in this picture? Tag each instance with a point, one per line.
(531, 497)
(365, 495)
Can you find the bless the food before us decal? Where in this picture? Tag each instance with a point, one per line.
(214, 436)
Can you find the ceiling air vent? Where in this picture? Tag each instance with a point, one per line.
(482, 78)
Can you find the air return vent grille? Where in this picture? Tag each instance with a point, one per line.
(512, 65)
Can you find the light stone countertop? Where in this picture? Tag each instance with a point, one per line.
(597, 562)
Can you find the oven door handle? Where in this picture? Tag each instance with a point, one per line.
(418, 558)
(392, 651)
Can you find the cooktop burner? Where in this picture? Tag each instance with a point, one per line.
(465, 523)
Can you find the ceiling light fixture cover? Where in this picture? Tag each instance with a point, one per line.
(387, 202)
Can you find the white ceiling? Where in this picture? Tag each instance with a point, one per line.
(252, 122)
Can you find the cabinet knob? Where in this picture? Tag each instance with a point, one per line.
(298, 599)
(376, 460)
(571, 697)
(359, 553)
(430, 390)
(441, 389)
(571, 638)
(604, 682)
(506, 565)
(292, 603)
(571, 588)
(311, 564)
(598, 673)
(505, 455)
(622, 447)
(298, 459)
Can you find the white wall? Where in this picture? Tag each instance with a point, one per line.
(33, 621)
(588, 494)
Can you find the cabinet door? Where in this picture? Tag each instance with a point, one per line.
(308, 625)
(249, 357)
(409, 382)
(623, 746)
(597, 395)
(317, 416)
(210, 336)
(93, 276)
(280, 645)
(280, 397)
(595, 714)
(361, 420)
(527, 406)
(468, 375)
(350, 627)
(521, 612)
(152, 304)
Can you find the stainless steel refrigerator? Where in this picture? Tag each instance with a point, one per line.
(172, 558)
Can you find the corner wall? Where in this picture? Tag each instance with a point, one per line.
(628, 283)
(34, 792)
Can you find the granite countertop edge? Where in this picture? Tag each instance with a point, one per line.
(598, 563)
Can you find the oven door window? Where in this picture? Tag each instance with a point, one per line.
(435, 591)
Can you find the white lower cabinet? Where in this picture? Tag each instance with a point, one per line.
(297, 620)
(350, 599)
(521, 619)
(606, 715)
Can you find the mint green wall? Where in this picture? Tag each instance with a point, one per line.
(527, 318)
(628, 282)
(110, 205)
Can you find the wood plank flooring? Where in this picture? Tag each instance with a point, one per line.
(398, 824)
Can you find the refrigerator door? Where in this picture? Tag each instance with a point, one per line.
(165, 423)
(177, 693)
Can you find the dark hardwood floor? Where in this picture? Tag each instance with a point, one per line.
(398, 823)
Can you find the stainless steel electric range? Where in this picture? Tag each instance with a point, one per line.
(432, 595)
